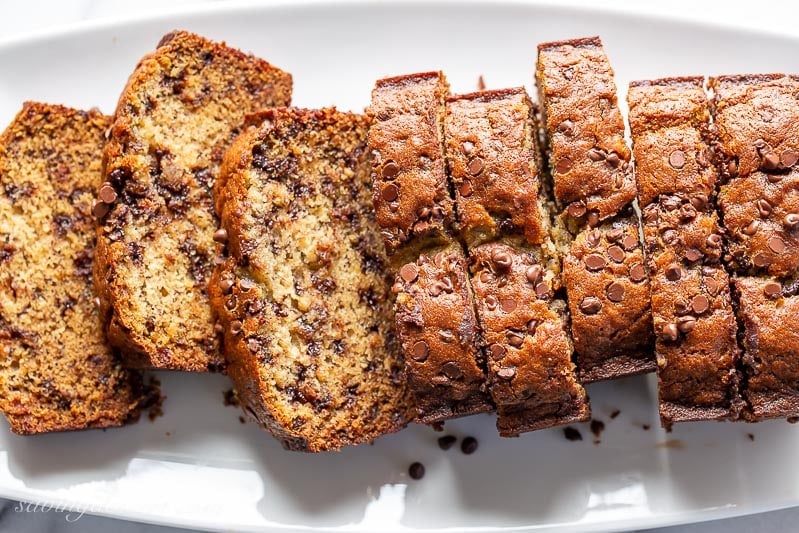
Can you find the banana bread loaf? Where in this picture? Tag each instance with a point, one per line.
(304, 296)
(178, 113)
(56, 370)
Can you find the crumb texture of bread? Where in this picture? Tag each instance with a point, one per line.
(304, 296)
(440, 337)
(531, 377)
(609, 300)
(178, 113)
(57, 372)
(588, 156)
(409, 180)
(493, 165)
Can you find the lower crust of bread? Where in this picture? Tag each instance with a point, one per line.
(513, 422)
(674, 412)
(448, 411)
(771, 404)
(618, 367)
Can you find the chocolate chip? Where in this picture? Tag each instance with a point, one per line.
(671, 203)
(508, 305)
(687, 213)
(762, 260)
(542, 291)
(409, 272)
(466, 189)
(572, 434)
(534, 274)
(686, 324)
(713, 240)
(420, 351)
(630, 243)
(677, 159)
(515, 338)
(673, 272)
(772, 289)
(221, 236)
(751, 228)
(773, 178)
(246, 284)
(416, 470)
(107, 193)
(670, 332)
(491, 302)
(390, 170)
(447, 441)
(475, 166)
(692, 255)
(712, 286)
(764, 207)
(791, 221)
(789, 158)
(390, 192)
(616, 253)
(670, 236)
(576, 209)
(590, 305)
(700, 304)
(595, 155)
(507, 372)
(776, 245)
(592, 219)
(593, 238)
(615, 234)
(469, 445)
(226, 285)
(485, 276)
(681, 308)
(566, 127)
(532, 325)
(235, 327)
(446, 336)
(638, 273)
(501, 259)
(452, 370)
(100, 209)
(594, 262)
(613, 159)
(732, 167)
(498, 352)
(770, 161)
(467, 147)
(615, 291)
(699, 201)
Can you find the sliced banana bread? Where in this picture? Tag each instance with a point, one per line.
(56, 370)
(304, 296)
(175, 118)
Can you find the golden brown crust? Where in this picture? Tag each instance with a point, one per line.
(176, 116)
(531, 377)
(440, 338)
(57, 372)
(409, 181)
(304, 296)
(609, 300)
(492, 162)
(589, 159)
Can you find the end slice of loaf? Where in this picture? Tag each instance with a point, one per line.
(56, 371)
(304, 296)
(175, 118)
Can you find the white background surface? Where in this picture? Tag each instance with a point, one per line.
(17, 18)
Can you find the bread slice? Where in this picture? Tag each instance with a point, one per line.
(304, 296)
(175, 118)
(56, 371)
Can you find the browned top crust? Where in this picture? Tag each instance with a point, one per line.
(493, 164)
(768, 310)
(587, 152)
(304, 297)
(527, 346)
(669, 121)
(756, 117)
(410, 190)
(608, 293)
(56, 370)
(440, 337)
(178, 113)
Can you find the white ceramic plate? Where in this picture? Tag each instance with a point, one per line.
(198, 466)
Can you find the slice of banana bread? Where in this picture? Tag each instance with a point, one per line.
(304, 297)
(56, 370)
(531, 376)
(492, 159)
(440, 336)
(175, 118)
(410, 189)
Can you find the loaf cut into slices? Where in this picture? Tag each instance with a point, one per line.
(304, 295)
(56, 371)
(177, 115)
